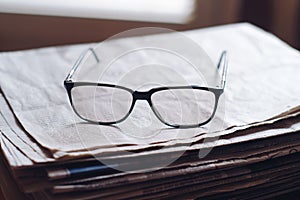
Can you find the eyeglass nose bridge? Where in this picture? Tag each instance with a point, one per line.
(137, 95)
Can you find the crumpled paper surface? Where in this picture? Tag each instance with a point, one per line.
(262, 83)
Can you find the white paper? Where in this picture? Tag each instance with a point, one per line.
(262, 83)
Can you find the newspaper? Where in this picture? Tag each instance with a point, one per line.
(260, 86)
(254, 135)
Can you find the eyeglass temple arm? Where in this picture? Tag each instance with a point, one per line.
(224, 63)
(79, 60)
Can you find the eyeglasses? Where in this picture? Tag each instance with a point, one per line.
(176, 106)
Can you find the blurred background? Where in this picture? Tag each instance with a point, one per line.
(34, 23)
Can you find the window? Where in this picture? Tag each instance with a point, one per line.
(165, 11)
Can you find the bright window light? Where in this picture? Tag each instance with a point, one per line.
(165, 11)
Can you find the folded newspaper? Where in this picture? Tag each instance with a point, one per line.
(55, 155)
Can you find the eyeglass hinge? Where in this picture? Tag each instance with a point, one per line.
(68, 80)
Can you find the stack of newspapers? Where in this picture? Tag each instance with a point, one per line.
(249, 149)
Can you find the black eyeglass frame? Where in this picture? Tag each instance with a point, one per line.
(146, 95)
